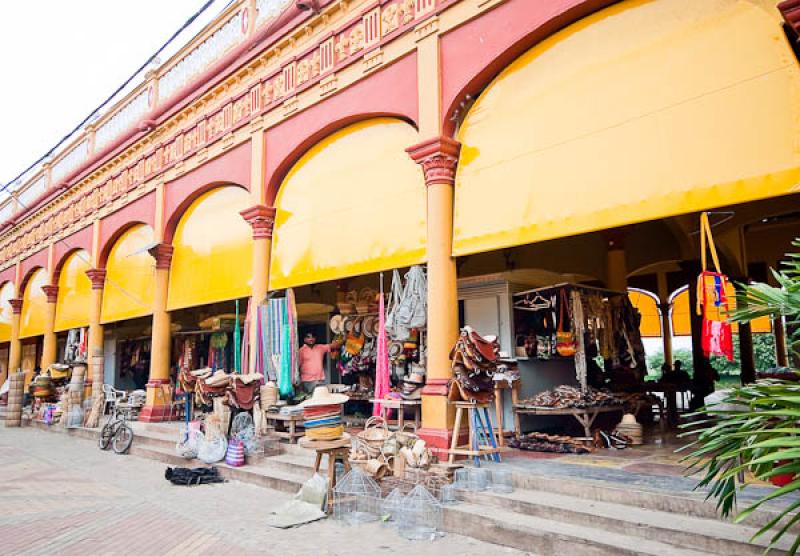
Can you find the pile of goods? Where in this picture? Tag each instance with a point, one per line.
(630, 429)
(541, 442)
(570, 397)
(474, 359)
(322, 415)
(237, 390)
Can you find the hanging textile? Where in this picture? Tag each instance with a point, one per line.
(76, 346)
(578, 329)
(294, 366)
(382, 379)
(244, 358)
(237, 342)
(712, 300)
(409, 308)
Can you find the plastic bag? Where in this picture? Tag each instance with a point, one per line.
(212, 450)
(189, 443)
(313, 491)
(75, 417)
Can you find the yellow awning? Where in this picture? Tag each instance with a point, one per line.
(7, 293)
(34, 305)
(74, 292)
(647, 305)
(641, 111)
(213, 257)
(130, 276)
(353, 204)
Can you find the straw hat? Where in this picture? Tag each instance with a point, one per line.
(248, 378)
(368, 326)
(323, 396)
(220, 378)
(628, 419)
(337, 324)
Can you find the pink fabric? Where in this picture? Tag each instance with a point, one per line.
(382, 379)
(310, 361)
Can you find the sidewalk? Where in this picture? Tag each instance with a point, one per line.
(60, 494)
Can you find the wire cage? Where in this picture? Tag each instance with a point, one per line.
(392, 506)
(421, 516)
(447, 495)
(357, 499)
(473, 479)
(502, 481)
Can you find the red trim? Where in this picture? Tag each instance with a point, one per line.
(141, 211)
(393, 94)
(436, 387)
(37, 260)
(51, 292)
(16, 305)
(475, 53)
(790, 10)
(162, 253)
(438, 158)
(64, 248)
(156, 414)
(439, 440)
(261, 218)
(8, 275)
(98, 277)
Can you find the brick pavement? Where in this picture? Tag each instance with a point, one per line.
(62, 495)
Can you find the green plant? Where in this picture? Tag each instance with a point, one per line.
(754, 428)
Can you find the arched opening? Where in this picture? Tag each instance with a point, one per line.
(74, 292)
(609, 122)
(34, 304)
(352, 205)
(213, 250)
(130, 277)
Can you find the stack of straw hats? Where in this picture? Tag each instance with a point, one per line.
(630, 428)
(322, 415)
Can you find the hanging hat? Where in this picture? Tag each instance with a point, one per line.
(395, 349)
(323, 396)
(349, 322)
(376, 326)
(357, 328)
(415, 377)
(337, 324)
(368, 327)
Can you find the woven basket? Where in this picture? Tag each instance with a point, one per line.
(374, 435)
(269, 396)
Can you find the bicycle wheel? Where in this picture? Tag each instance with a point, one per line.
(123, 439)
(104, 441)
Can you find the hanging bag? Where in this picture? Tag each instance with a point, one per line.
(712, 299)
(565, 340)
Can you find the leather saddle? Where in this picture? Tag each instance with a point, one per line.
(241, 395)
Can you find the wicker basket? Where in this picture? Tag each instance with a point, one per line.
(374, 435)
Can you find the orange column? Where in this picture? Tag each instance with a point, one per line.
(95, 355)
(159, 393)
(616, 265)
(49, 355)
(438, 158)
(262, 219)
(15, 349)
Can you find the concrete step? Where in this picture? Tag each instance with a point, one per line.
(710, 535)
(682, 503)
(260, 475)
(547, 537)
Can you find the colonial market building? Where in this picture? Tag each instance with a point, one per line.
(504, 144)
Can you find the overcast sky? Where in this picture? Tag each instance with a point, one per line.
(59, 59)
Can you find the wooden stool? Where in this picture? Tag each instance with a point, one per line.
(474, 449)
(335, 450)
(498, 406)
(276, 419)
(400, 406)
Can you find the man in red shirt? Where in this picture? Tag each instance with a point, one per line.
(310, 358)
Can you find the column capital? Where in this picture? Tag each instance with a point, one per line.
(98, 277)
(51, 291)
(16, 305)
(262, 219)
(438, 158)
(162, 253)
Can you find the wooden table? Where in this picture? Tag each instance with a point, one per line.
(335, 450)
(585, 416)
(400, 406)
(290, 421)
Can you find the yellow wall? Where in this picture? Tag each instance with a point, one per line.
(641, 111)
(74, 292)
(34, 305)
(7, 293)
(353, 204)
(650, 326)
(213, 257)
(130, 276)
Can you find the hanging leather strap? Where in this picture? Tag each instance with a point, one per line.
(705, 235)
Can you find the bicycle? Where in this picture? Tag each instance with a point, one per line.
(116, 433)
